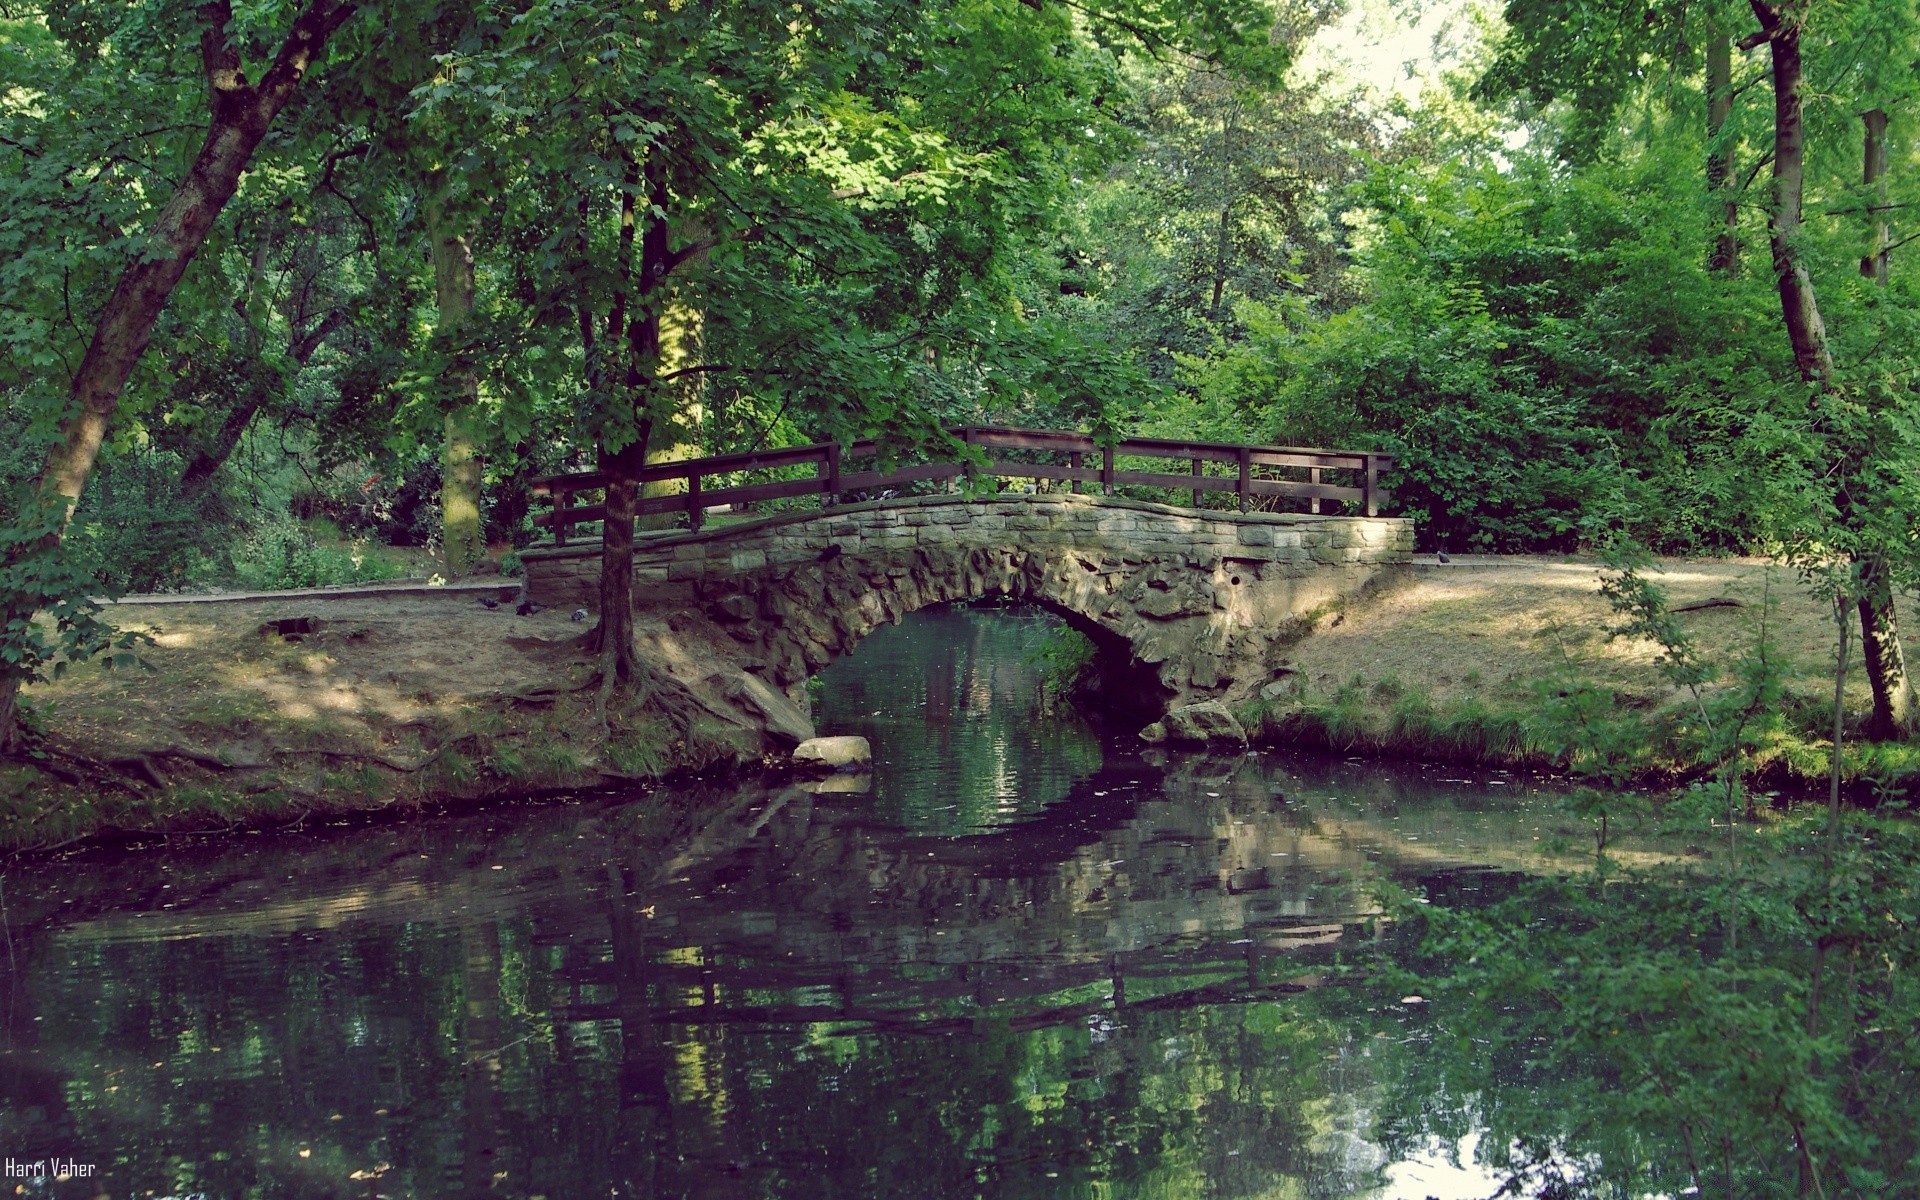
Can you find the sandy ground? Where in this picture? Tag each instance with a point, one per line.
(221, 676)
(1490, 625)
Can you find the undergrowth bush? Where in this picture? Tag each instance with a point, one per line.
(278, 551)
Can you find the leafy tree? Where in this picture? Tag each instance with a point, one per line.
(802, 206)
(241, 113)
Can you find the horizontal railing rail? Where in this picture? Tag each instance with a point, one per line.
(1087, 462)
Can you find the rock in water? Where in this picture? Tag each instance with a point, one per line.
(1206, 724)
(829, 754)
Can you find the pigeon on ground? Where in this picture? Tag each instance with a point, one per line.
(1443, 557)
(489, 603)
(579, 615)
(528, 608)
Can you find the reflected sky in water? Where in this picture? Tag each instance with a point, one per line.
(1112, 981)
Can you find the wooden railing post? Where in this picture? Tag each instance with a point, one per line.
(832, 481)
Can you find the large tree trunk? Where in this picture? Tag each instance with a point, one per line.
(1720, 180)
(621, 461)
(613, 637)
(463, 540)
(1874, 174)
(241, 114)
(1798, 306)
(1893, 713)
(1880, 635)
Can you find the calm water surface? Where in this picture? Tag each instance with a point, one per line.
(1024, 963)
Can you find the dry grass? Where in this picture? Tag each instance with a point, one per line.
(1487, 628)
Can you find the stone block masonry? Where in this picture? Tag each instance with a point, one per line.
(1204, 602)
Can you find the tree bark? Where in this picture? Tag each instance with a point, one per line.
(613, 636)
(462, 536)
(1874, 174)
(241, 114)
(1798, 306)
(1725, 259)
(1880, 635)
(622, 460)
(1892, 716)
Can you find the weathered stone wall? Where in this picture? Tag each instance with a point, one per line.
(1200, 599)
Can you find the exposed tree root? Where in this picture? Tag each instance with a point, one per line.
(1716, 602)
(81, 772)
(392, 764)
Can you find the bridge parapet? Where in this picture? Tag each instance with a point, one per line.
(1199, 602)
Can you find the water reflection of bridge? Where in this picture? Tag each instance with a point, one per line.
(1137, 893)
(656, 979)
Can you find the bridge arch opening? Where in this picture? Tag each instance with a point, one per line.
(1094, 669)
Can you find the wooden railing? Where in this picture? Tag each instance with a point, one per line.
(831, 481)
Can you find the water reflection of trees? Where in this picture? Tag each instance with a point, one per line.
(745, 995)
(953, 707)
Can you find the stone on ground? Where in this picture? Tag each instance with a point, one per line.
(1205, 724)
(829, 754)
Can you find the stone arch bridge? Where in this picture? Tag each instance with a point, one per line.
(1185, 605)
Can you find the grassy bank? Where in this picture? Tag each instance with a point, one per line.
(280, 711)
(1489, 660)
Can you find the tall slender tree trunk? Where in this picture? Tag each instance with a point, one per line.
(1893, 709)
(1880, 635)
(613, 637)
(463, 541)
(241, 113)
(1798, 306)
(1725, 259)
(1892, 716)
(1874, 174)
(622, 460)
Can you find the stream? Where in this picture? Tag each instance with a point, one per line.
(1024, 961)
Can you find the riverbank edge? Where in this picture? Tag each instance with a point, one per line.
(59, 794)
(98, 801)
(1872, 774)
